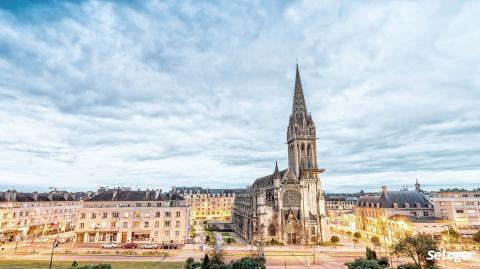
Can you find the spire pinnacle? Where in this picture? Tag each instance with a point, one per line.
(276, 167)
(299, 106)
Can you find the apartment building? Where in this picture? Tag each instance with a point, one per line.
(25, 214)
(122, 215)
(209, 204)
(461, 207)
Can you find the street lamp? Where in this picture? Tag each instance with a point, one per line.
(54, 245)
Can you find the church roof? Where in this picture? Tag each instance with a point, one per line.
(266, 179)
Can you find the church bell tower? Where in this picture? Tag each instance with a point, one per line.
(301, 136)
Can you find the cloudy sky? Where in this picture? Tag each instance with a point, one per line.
(151, 94)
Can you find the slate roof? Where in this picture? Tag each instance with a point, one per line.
(129, 195)
(14, 196)
(398, 197)
(266, 179)
(188, 190)
(414, 219)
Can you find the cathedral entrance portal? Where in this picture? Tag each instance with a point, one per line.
(293, 233)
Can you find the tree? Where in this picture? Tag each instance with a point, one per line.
(416, 247)
(362, 263)
(451, 234)
(74, 264)
(189, 263)
(205, 262)
(371, 254)
(334, 239)
(357, 235)
(229, 240)
(207, 239)
(375, 240)
(476, 237)
(349, 233)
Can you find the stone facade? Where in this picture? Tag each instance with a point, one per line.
(124, 216)
(32, 213)
(287, 206)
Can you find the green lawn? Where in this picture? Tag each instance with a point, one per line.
(12, 264)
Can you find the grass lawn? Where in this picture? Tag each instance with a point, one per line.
(14, 264)
(329, 244)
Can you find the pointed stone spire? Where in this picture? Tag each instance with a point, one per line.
(299, 106)
(276, 167)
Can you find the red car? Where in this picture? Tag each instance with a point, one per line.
(130, 245)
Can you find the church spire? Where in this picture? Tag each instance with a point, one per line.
(299, 106)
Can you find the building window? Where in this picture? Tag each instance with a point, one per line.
(178, 214)
(82, 216)
(167, 214)
(155, 234)
(125, 224)
(136, 225)
(425, 213)
(94, 215)
(138, 204)
(177, 233)
(167, 223)
(157, 214)
(167, 233)
(105, 215)
(113, 224)
(177, 223)
(82, 225)
(146, 224)
(157, 224)
(115, 214)
(395, 205)
(136, 214)
(459, 211)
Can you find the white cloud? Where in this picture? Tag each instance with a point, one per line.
(106, 93)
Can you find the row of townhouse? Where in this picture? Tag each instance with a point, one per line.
(28, 214)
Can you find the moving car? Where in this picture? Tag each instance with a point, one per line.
(130, 245)
(110, 245)
(150, 246)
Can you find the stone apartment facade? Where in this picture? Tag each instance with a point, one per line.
(123, 216)
(209, 204)
(461, 207)
(32, 213)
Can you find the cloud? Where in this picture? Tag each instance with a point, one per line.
(198, 93)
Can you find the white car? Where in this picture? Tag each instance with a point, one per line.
(150, 246)
(110, 245)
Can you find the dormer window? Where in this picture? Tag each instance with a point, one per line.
(395, 205)
(417, 205)
(407, 205)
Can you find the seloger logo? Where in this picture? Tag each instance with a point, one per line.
(456, 256)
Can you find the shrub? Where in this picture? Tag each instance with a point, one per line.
(371, 254)
(362, 263)
(207, 239)
(383, 261)
(334, 239)
(229, 240)
(407, 266)
(357, 235)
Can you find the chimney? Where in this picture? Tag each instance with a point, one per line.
(50, 196)
(65, 195)
(35, 195)
(384, 190)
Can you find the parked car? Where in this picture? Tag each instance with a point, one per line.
(168, 246)
(109, 245)
(150, 246)
(130, 245)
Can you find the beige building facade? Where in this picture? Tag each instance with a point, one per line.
(25, 214)
(461, 207)
(125, 216)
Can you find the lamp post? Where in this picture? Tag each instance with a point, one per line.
(54, 245)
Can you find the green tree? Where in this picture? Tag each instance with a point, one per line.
(207, 239)
(189, 263)
(74, 264)
(375, 240)
(205, 262)
(476, 237)
(416, 247)
(362, 263)
(229, 240)
(451, 234)
(334, 239)
(370, 254)
(357, 235)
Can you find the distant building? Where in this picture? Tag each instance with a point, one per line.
(37, 213)
(339, 203)
(287, 205)
(462, 207)
(119, 215)
(373, 213)
(209, 204)
(341, 210)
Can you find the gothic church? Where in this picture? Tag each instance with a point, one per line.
(287, 206)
